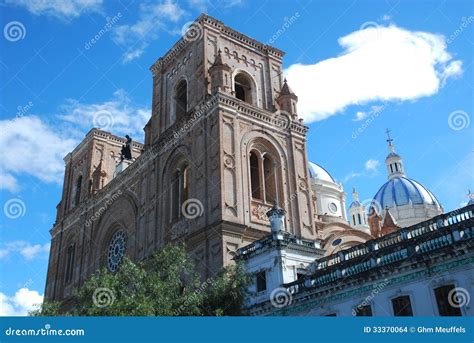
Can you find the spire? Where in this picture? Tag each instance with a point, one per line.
(393, 161)
(357, 213)
(285, 89)
(287, 100)
(355, 195)
(220, 74)
(218, 60)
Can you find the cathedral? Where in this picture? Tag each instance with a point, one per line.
(223, 146)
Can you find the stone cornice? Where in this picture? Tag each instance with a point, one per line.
(260, 115)
(206, 21)
(103, 136)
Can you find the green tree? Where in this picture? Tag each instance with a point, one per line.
(164, 285)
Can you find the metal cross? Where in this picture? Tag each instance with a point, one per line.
(389, 140)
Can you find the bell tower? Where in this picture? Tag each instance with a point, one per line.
(393, 161)
(226, 128)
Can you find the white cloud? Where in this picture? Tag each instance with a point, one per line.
(60, 9)
(37, 148)
(374, 110)
(31, 147)
(22, 302)
(8, 182)
(350, 176)
(370, 169)
(371, 165)
(360, 116)
(203, 5)
(25, 249)
(135, 53)
(117, 115)
(384, 63)
(153, 18)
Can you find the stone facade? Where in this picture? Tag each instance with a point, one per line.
(222, 144)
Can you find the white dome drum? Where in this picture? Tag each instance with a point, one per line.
(330, 196)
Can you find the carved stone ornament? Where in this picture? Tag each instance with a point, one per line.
(229, 161)
(260, 211)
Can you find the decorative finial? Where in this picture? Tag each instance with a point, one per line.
(276, 216)
(355, 195)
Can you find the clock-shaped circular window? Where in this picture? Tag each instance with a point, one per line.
(333, 207)
(116, 250)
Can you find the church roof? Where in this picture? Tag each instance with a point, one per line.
(318, 172)
(392, 154)
(285, 89)
(355, 204)
(401, 191)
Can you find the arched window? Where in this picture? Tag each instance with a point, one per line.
(179, 190)
(269, 174)
(181, 99)
(69, 272)
(263, 177)
(255, 176)
(77, 194)
(243, 88)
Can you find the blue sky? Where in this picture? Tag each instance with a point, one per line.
(358, 68)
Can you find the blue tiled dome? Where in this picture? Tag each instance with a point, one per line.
(401, 191)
